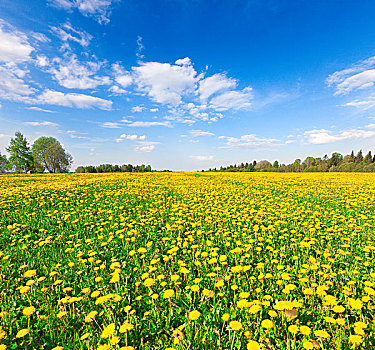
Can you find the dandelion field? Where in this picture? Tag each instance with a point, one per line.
(187, 261)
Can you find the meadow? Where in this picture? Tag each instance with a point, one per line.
(187, 261)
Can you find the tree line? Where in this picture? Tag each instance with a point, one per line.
(336, 163)
(45, 154)
(109, 168)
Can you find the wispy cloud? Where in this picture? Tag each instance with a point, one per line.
(98, 9)
(14, 45)
(250, 141)
(43, 123)
(137, 109)
(198, 133)
(323, 136)
(132, 137)
(70, 73)
(202, 158)
(33, 108)
(111, 125)
(144, 124)
(358, 77)
(146, 146)
(67, 33)
(58, 98)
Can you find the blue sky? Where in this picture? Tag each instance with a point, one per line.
(188, 85)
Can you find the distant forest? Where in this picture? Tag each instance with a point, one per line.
(109, 168)
(336, 163)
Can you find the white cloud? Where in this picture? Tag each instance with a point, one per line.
(122, 76)
(166, 83)
(370, 126)
(358, 81)
(323, 136)
(364, 104)
(145, 146)
(42, 61)
(111, 125)
(140, 48)
(40, 109)
(44, 123)
(250, 141)
(213, 84)
(67, 33)
(99, 9)
(141, 124)
(131, 137)
(360, 76)
(137, 109)
(154, 109)
(73, 74)
(197, 133)
(3, 136)
(73, 100)
(117, 90)
(40, 37)
(14, 46)
(202, 158)
(12, 85)
(232, 100)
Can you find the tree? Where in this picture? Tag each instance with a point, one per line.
(50, 155)
(368, 158)
(275, 164)
(352, 156)
(335, 159)
(263, 164)
(3, 163)
(359, 157)
(21, 159)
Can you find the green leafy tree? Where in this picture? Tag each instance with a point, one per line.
(359, 157)
(49, 155)
(21, 159)
(368, 158)
(3, 163)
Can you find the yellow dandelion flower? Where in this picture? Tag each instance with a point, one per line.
(22, 333)
(114, 340)
(267, 324)
(90, 316)
(355, 339)
(235, 325)
(253, 345)
(27, 311)
(293, 329)
(321, 334)
(194, 315)
(272, 313)
(29, 273)
(61, 314)
(225, 317)
(308, 345)
(104, 347)
(126, 327)
(149, 282)
(169, 293)
(108, 331)
(305, 330)
(338, 309)
(85, 336)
